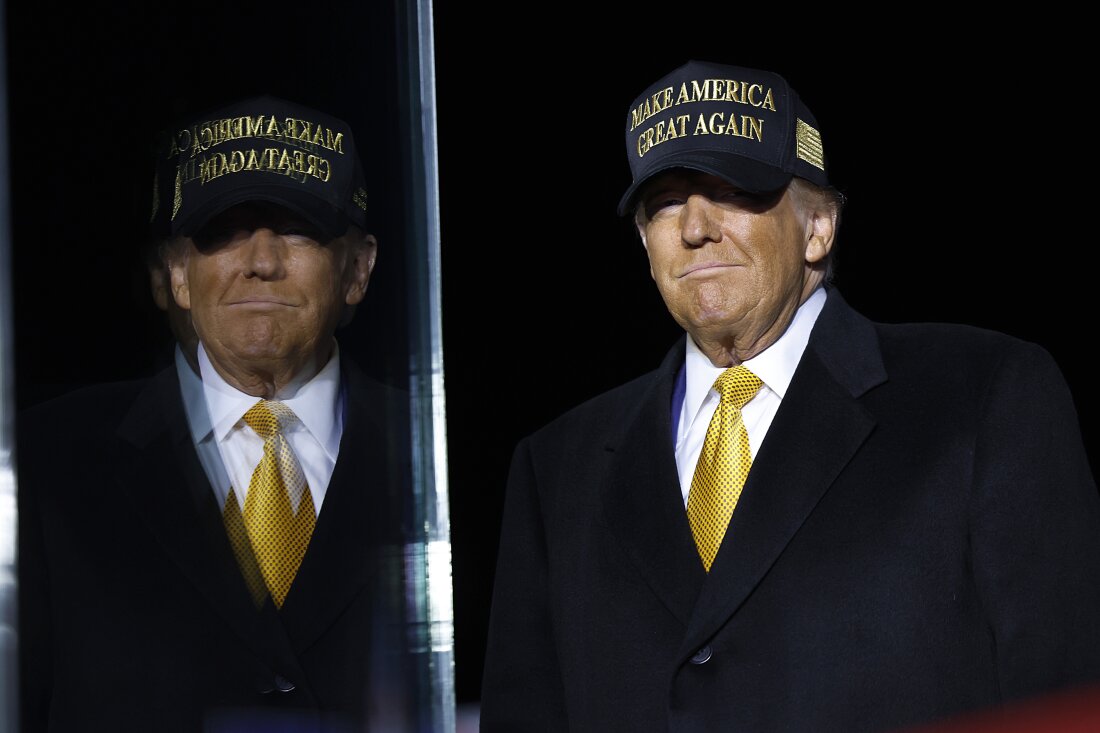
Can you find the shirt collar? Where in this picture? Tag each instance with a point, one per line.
(316, 402)
(194, 401)
(318, 405)
(775, 365)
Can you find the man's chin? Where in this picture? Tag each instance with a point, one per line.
(251, 354)
(262, 349)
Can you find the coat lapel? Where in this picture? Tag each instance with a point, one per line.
(356, 545)
(817, 430)
(643, 505)
(159, 473)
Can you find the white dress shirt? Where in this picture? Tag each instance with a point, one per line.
(774, 366)
(202, 434)
(229, 450)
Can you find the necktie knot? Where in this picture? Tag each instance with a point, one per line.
(737, 385)
(268, 417)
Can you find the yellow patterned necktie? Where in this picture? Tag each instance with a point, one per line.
(277, 537)
(723, 463)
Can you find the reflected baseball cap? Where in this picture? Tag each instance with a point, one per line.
(259, 149)
(747, 126)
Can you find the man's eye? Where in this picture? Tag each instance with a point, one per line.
(661, 203)
(214, 237)
(734, 195)
(301, 232)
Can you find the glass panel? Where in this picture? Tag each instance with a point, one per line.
(8, 587)
(92, 88)
(430, 557)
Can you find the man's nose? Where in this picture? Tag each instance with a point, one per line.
(264, 253)
(698, 221)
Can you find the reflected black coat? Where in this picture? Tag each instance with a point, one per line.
(919, 536)
(133, 613)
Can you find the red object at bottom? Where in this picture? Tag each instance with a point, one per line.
(1074, 711)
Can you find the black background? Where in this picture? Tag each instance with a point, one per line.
(957, 144)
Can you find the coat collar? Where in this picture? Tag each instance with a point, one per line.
(361, 530)
(643, 505)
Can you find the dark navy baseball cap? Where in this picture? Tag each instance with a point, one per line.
(746, 126)
(259, 149)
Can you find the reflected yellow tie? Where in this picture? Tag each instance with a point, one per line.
(277, 535)
(723, 463)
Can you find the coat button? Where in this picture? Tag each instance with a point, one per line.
(267, 685)
(702, 656)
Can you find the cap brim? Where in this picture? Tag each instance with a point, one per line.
(321, 214)
(747, 174)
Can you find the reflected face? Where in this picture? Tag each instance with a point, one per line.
(264, 288)
(730, 265)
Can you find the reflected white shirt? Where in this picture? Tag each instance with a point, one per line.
(202, 434)
(230, 450)
(775, 366)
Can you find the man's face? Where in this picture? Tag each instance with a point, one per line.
(731, 266)
(265, 292)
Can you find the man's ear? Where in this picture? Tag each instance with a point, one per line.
(160, 285)
(820, 233)
(181, 292)
(361, 258)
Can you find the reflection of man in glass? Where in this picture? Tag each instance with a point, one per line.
(201, 550)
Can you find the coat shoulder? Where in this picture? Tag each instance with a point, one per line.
(89, 409)
(960, 347)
